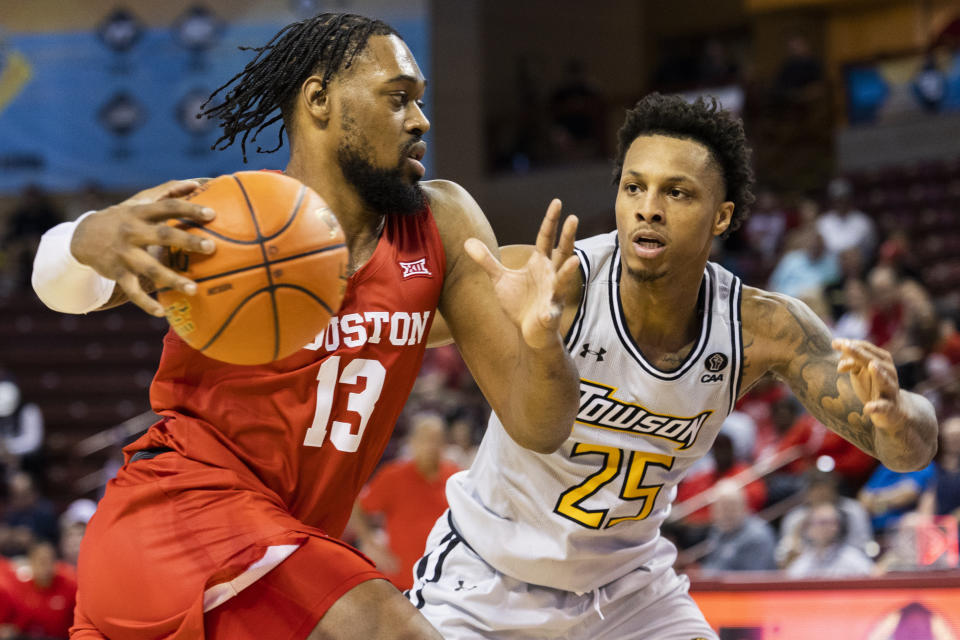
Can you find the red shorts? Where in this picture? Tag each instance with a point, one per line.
(173, 538)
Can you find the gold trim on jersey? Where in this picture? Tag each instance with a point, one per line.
(599, 408)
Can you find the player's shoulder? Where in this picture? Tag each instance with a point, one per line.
(457, 214)
(449, 202)
(764, 311)
(774, 322)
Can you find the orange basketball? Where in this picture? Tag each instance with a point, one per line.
(278, 274)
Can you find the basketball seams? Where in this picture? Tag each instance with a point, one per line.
(230, 313)
(229, 318)
(232, 272)
(266, 266)
(293, 214)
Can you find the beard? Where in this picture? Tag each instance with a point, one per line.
(386, 191)
(643, 275)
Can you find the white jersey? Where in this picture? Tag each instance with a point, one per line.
(590, 512)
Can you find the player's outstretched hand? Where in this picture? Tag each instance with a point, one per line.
(532, 296)
(874, 379)
(114, 241)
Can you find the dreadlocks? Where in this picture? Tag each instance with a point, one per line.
(325, 44)
(704, 122)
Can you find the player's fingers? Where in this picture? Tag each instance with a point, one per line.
(568, 234)
(883, 409)
(166, 235)
(885, 381)
(548, 228)
(565, 276)
(550, 317)
(847, 364)
(862, 350)
(174, 208)
(159, 192)
(143, 264)
(480, 253)
(131, 286)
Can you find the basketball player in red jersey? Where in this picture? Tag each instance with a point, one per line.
(223, 522)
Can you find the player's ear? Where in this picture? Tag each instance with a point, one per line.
(316, 99)
(722, 218)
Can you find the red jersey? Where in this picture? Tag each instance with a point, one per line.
(308, 430)
(411, 505)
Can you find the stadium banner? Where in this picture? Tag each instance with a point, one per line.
(116, 104)
(920, 607)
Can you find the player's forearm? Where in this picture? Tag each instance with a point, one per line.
(910, 444)
(541, 397)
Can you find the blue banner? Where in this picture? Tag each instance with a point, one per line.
(75, 111)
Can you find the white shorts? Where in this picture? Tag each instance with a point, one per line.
(464, 597)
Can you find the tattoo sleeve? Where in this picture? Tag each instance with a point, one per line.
(808, 364)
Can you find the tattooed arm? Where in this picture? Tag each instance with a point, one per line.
(850, 386)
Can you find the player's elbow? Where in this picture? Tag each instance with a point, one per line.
(544, 440)
(914, 460)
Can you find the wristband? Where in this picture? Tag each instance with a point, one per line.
(62, 283)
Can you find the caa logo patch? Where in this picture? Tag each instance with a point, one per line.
(714, 363)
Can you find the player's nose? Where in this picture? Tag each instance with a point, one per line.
(417, 122)
(650, 208)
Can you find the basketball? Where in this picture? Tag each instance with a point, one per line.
(277, 276)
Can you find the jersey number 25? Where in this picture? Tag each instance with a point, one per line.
(570, 506)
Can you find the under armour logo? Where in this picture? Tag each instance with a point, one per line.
(460, 586)
(415, 268)
(586, 349)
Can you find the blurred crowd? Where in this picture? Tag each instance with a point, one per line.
(778, 492)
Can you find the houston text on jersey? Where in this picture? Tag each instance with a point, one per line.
(356, 330)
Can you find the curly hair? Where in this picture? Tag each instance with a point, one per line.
(701, 121)
(325, 44)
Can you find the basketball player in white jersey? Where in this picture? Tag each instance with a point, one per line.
(567, 545)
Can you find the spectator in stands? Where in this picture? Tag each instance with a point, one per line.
(738, 540)
(34, 214)
(903, 321)
(942, 496)
(800, 71)
(717, 66)
(888, 495)
(854, 323)
(806, 270)
(462, 446)
(28, 510)
(578, 111)
(766, 226)
(758, 404)
(916, 542)
(850, 463)
(822, 488)
(725, 465)
(409, 494)
(826, 553)
(843, 226)
(73, 524)
(851, 269)
(21, 423)
(41, 594)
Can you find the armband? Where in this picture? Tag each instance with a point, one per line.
(62, 283)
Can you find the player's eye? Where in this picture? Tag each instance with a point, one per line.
(421, 104)
(633, 189)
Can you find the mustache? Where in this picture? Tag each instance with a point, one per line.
(409, 145)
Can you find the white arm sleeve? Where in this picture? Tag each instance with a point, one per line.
(62, 283)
